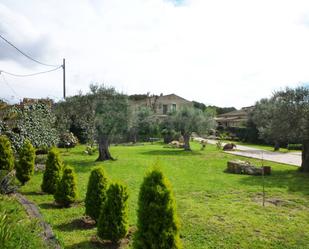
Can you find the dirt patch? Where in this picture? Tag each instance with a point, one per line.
(110, 245)
(77, 224)
(270, 201)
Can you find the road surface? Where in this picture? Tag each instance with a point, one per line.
(292, 158)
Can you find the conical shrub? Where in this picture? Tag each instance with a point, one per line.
(158, 226)
(52, 172)
(96, 192)
(66, 192)
(113, 220)
(25, 165)
(6, 154)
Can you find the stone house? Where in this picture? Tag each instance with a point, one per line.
(162, 104)
(236, 118)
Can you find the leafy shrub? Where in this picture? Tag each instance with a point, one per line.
(113, 220)
(40, 159)
(52, 172)
(43, 150)
(295, 146)
(6, 154)
(157, 221)
(32, 121)
(25, 165)
(96, 192)
(219, 145)
(66, 192)
(67, 140)
(90, 150)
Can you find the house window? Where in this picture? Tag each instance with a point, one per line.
(164, 109)
(173, 107)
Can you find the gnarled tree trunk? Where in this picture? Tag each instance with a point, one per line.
(186, 138)
(104, 153)
(276, 146)
(305, 157)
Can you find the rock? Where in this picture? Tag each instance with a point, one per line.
(242, 167)
(230, 146)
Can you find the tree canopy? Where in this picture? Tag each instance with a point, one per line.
(285, 118)
(188, 120)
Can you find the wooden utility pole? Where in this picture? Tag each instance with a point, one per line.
(63, 67)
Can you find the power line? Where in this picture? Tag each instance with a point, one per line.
(32, 74)
(26, 55)
(12, 89)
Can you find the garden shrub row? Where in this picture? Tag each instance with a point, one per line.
(24, 166)
(158, 225)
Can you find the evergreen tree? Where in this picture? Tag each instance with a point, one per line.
(25, 165)
(157, 225)
(6, 154)
(66, 192)
(52, 172)
(96, 192)
(113, 220)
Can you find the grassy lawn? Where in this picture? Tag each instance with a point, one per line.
(23, 232)
(216, 209)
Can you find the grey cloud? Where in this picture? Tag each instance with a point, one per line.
(35, 46)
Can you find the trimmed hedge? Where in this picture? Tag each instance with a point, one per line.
(25, 165)
(52, 172)
(295, 147)
(158, 226)
(113, 220)
(6, 154)
(96, 192)
(66, 192)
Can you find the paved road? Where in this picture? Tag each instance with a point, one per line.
(292, 158)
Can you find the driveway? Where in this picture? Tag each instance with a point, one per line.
(292, 158)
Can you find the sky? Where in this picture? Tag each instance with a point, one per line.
(224, 53)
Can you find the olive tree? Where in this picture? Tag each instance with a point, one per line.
(287, 118)
(76, 115)
(143, 124)
(270, 123)
(111, 117)
(188, 120)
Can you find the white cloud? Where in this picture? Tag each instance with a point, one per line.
(217, 52)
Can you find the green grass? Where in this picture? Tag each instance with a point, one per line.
(216, 209)
(23, 232)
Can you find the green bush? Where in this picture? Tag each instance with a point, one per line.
(96, 192)
(25, 165)
(40, 159)
(52, 172)
(67, 140)
(90, 150)
(158, 226)
(113, 220)
(66, 192)
(295, 147)
(6, 154)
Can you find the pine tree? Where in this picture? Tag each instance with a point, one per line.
(66, 192)
(158, 226)
(25, 165)
(6, 154)
(113, 220)
(96, 192)
(52, 172)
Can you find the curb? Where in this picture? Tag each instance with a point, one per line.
(34, 212)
